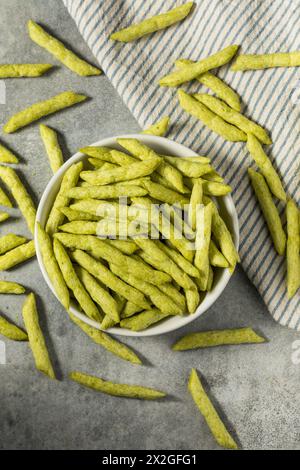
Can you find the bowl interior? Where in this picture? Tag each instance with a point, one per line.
(226, 208)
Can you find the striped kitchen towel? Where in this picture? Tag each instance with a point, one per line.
(271, 97)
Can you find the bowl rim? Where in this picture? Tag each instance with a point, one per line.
(162, 327)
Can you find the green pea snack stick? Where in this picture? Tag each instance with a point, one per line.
(214, 188)
(156, 263)
(194, 70)
(11, 331)
(69, 180)
(23, 70)
(213, 176)
(36, 337)
(130, 309)
(96, 163)
(41, 109)
(195, 201)
(107, 323)
(210, 119)
(269, 210)
(157, 191)
(223, 236)
(17, 255)
(143, 152)
(153, 24)
(172, 291)
(177, 218)
(118, 390)
(264, 61)
(107, 342)
(104, 228)
(143, 320)
(109, 166)
(209, 412)
(20, 194)
(4, 200)
(94, 206)
(120, 300)
(216, 258)
(4, 216)
(121, 174)
(10, 241)
(170, 177)
(159, 128)
(169, 231)
(180, 260)
(60, 51)
(127, 247)
(7, 287)
(73, 215)
(195, 159)
(156, 178)
(6, 156)
(121, 158)
(264, 164)
(54, 152)
(189, 167)
(52, 267)
(215, 84)
(233, 117)
(112, 191)
(203, 237)
(293, 243)
(102, 153)
(208, 339)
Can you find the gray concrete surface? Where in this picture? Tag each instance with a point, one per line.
(256, 387)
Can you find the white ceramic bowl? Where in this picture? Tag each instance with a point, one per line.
(227, 210)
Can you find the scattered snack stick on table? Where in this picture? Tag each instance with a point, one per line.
(54, 152)
(264, 164)
(293, 243)
(269, 210)
(36, 337)
(17, 255)
(210, 119)
(191, 71)
(11, 331)
(8, 287)
(20, 194)
(264, 61)
(209, 412)
(43, 108)
(6, 155)
(60, 51)
(118, 390)
(153, 24)
(107, 342)
(23, 70)
(208, 339)
(10, 241)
